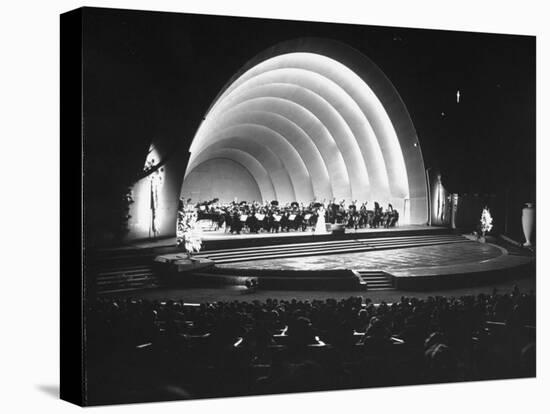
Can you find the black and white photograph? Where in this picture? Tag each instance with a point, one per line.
(277, 207)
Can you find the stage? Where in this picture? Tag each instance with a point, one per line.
(368, 261)
(412, 268)
(415, 258)
(405, 258)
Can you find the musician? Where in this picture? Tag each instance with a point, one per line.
(351, 218)
(332, 211)
(236, 224)
(299, 221)
(391, 217)
(251, 221)
(377, 219)
(275, 220)
(263, 219)
(363, 216)
(307, 218)
(285, 221)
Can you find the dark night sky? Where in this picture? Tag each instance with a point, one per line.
(154, 75)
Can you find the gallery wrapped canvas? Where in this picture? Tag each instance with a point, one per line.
(275, 206)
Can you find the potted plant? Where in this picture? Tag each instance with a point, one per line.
(486, 223)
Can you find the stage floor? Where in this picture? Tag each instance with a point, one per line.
(283, 237)
(447, 259)
(221, 235)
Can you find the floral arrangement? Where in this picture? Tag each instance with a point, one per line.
(486, 221)
(187, 234)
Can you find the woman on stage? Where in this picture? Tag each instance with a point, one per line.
(321, 227)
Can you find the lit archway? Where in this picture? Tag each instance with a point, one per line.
(311, 119)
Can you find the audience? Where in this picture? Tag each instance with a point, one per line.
(145, 350)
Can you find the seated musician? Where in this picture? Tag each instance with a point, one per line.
(285, 221)
(352, 216)
(308, 218)
(377, 219)
(332, 211)
(275, 221)
(252, 221)
(261, 217)
(296, 219)
(236, 224)
(392, 216)
(363, 215)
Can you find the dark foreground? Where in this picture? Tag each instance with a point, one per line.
(150, 349)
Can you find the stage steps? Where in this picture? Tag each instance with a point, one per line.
(127, 277)
(327, 247)
(374, 280)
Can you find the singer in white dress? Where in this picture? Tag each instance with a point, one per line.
(320, 227)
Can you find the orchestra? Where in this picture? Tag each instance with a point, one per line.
(271, 217)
